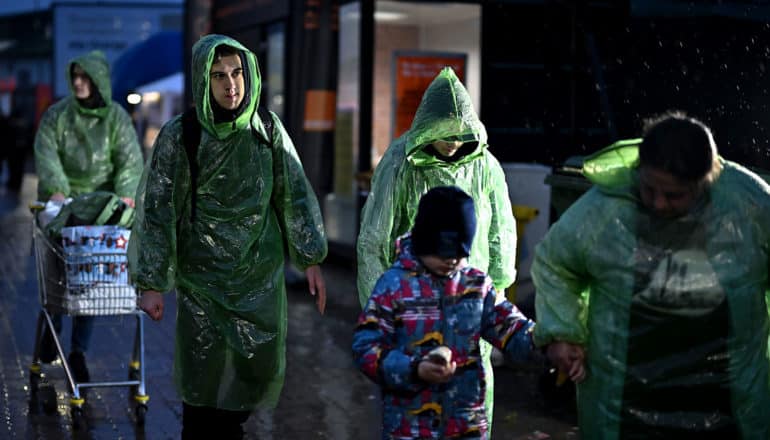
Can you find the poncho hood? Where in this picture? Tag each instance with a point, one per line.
(95, 64)
(202, 60)
(445, 112)
(613, 166)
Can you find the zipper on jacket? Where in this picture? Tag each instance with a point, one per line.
(444, 335)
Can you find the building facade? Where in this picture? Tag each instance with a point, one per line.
(551, 79)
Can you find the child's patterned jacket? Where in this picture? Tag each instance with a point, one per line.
(412, 311)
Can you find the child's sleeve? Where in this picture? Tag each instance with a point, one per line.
(374, 350)
(505, 327)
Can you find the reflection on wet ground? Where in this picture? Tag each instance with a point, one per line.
(325, 397)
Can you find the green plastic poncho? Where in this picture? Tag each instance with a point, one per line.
(79, 149)
(227, 263)
(672, 313)
(408, 170)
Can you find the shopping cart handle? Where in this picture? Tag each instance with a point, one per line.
(36, 206)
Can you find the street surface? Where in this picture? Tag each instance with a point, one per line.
(324, 397)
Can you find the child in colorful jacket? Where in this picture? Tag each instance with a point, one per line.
(418, 336)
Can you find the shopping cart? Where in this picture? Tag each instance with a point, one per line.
(85, 274)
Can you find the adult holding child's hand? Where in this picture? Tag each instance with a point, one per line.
(659, 273)
(569, 359)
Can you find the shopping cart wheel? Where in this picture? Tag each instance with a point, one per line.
(77, 417)
(46, 394)
(43, 396)
(35, 376)
(141, 414)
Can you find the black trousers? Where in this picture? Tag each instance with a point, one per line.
(14, 157)
(206, 423)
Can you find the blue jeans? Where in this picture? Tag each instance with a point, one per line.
(82, 328)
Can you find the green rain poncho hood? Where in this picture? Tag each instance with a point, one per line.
(79, 149)
(608, 269)
(408, 170)
(445, 113)
(227, 263)
(202, 59)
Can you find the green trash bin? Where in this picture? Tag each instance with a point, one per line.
(567, 185)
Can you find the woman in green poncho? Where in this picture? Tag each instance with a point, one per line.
(651, 291)
(445, 146)
(85, 142)
(226, 258)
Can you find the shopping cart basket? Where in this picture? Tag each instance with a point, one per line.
(86, 274)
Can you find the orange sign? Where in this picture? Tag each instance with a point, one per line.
(414, 73)
(320, 110)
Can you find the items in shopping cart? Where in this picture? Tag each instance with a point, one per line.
(96, 272)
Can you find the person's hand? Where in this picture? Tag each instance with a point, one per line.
(57, 197)
(569, 359)
(433, 372)
(151, 302)
(128, 201)
(317, 286)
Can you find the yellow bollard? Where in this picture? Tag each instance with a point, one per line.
(523, 215)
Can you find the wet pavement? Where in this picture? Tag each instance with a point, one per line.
(324, 397)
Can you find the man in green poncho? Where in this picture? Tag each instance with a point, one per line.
(85, 142)
(445, 146)
(651, 290)
(226, 258)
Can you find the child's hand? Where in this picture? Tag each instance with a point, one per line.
(569, 359)
(432, 372)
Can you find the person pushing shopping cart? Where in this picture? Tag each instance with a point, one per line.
(85, 143)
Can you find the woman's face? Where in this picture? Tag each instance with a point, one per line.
(666, 195)
(447, 148)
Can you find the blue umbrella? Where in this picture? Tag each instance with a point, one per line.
(157, 57)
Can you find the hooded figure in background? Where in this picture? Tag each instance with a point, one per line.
(85, 142)
(651, 291)
(445, 146)
(226, 259)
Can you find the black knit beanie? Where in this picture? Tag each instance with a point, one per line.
(445, 223)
